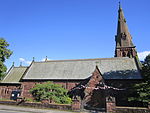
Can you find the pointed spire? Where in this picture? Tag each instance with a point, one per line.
(123, 37)
(124, 45)
(119, 5)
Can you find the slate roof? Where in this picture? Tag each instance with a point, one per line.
(111, 68)
(14, 75)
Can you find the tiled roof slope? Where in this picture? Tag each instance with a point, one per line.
(111, 68)
(14, 75)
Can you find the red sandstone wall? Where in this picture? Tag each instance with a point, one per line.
(26, 86)
(5, 91)
(95, 98)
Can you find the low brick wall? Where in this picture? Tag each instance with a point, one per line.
(39, 105)
(132, 110)
(68, 107)
(8, 102)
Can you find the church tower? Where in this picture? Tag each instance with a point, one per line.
(124, 45)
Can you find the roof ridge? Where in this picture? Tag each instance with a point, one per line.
(117, 58)
(21, 67)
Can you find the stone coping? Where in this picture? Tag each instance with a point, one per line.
(37, 105)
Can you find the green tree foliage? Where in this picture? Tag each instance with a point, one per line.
(4, 54)
(52, 92)
(142, 90)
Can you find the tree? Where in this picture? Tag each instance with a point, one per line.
(4, 54)
(142, 90)
(50, 91)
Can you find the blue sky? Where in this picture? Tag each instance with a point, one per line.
(70, 29)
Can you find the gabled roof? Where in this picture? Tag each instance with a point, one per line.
(111, 68)
(14, 75)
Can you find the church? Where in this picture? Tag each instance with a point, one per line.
(91, 80)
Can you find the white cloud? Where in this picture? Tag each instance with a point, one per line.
(143, 54)
(24, 61)
(28, 62)
(21, 59)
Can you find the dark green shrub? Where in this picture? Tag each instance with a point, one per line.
(51, 92)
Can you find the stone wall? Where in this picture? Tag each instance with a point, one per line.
(94, 98)
(132, 110)
(39, 105)
(110, 104)
(76, 105)
(27, 85)
(5, 90)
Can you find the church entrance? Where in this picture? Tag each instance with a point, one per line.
(95, 101)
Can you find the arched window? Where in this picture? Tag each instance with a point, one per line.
(129, 54)
(124, 54)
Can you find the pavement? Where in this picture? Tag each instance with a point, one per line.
(18, 109)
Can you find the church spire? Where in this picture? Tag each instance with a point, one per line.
(124, 45)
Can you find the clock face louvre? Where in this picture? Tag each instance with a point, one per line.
(123, 36)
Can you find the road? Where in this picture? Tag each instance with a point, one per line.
(18, 109)
(6, 111)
